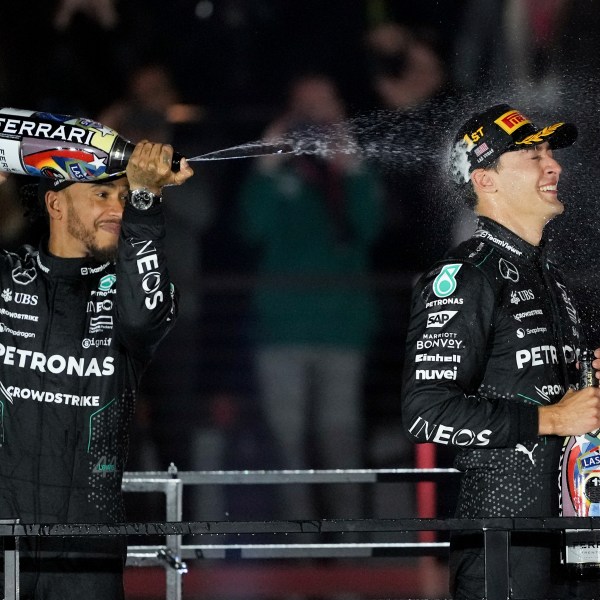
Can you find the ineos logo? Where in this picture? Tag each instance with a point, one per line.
(508, 270)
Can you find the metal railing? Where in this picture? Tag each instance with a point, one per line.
(173, 554)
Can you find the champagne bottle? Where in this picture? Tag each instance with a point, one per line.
(580, 489)
(63, 147)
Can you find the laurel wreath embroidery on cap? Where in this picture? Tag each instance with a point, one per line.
(538, 137)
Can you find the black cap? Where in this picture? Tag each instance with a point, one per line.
(487, 135)
(47, 184)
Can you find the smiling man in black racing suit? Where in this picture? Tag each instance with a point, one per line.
(79, 321)
(492, 349)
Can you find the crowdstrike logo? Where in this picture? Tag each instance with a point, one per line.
(53, 397)
(529, 313)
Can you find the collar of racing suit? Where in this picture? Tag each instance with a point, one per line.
(504, 238)
(67, 267)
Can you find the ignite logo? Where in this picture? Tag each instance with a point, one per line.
(511, 121)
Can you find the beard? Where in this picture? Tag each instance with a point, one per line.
(79, 231)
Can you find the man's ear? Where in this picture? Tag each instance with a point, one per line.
(54, 205)
(484, 181)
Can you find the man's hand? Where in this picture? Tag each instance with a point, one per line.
(577, 413)
(596, 362)
(150, 167)
(3, 177)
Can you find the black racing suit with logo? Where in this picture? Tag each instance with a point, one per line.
(493, 335)
(75, 337)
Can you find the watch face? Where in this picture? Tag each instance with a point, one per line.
(142, 199)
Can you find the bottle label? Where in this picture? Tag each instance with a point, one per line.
(55, 146)
(580, 477)
(582, 552)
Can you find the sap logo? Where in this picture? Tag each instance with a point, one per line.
(439, 319)
(443, 434)
(537, 356)
(436, 373)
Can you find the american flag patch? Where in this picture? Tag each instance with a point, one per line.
(481, 149)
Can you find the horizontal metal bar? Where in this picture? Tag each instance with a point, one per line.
(146, 555)
(293, 476)
(300, 526)
(149, 484)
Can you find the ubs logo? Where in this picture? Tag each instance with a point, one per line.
(19, 297)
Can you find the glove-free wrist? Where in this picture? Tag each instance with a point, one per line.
(143, 199)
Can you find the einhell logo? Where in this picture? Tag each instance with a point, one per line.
(511, 121)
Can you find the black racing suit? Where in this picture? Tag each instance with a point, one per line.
(493, 335)
(75, 337)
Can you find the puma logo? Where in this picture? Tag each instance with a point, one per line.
(521, 448)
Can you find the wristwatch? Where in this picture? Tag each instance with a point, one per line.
(143, 199)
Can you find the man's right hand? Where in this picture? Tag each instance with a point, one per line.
(3, 177)
(577, 413)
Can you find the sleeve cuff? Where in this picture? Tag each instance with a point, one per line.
(524, 423)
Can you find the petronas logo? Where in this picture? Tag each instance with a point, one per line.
(107, 282)
(444, 284)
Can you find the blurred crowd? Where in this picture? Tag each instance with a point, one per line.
(295, 271)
